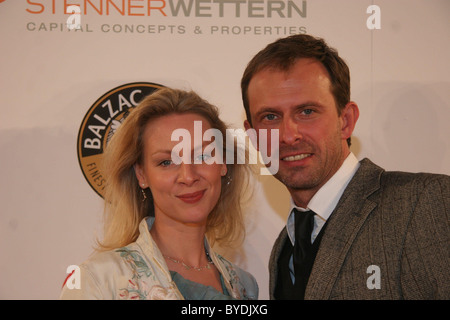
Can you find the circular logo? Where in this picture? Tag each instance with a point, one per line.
(103, 118)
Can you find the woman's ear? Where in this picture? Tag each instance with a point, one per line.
(140, 175)
(223, 170)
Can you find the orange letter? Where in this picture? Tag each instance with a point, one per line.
(157, 8)
(67, 5)
(131, 6)
(100, 11)
(36, 4)
(122, 12)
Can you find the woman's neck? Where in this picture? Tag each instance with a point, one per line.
(183, 242)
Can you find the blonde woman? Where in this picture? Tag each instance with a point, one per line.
(161, 214)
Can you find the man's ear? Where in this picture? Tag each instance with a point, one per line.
(252, 134)
(349, 117)
(247, 125)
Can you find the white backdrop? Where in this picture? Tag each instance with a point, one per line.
(49, 78)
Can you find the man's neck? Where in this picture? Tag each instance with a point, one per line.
(302, 197)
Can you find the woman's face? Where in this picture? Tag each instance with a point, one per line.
(182, 193)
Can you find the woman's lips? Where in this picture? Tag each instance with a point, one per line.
(192, 197)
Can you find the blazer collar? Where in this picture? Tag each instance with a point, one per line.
(342, 227)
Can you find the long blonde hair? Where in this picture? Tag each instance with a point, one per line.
(124, 208)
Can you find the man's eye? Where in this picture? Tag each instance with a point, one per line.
(270, 117)
(307, 111)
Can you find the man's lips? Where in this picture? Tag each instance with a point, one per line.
(296, 157)
(191, 197)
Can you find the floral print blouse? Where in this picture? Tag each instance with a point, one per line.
(139, 271)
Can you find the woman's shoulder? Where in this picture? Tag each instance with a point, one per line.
(99, 260)
(90, 277)
(95, 277)
(122, 273)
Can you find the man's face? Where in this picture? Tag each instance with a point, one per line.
(299, 103)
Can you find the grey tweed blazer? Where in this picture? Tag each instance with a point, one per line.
(396, 221)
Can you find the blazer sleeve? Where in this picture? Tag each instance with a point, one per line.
(426, 256)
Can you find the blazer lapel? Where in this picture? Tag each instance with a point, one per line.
(273, 261)
(342, 227)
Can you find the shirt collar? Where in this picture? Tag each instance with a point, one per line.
(326, 199)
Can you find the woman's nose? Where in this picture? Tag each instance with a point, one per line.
(187, 173)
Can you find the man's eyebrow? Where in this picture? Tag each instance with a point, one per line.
(309, 103)
(267, 110)
(276, 110)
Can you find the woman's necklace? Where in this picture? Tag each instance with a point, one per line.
(188, 267)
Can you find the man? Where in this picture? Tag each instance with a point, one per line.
(355, 231)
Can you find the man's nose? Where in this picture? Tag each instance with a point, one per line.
(289, 132)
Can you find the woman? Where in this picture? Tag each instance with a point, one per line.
(160, 213)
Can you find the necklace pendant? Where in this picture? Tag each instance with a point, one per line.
(186, 266)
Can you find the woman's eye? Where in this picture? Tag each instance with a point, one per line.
(201, 158)
(165, 163)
